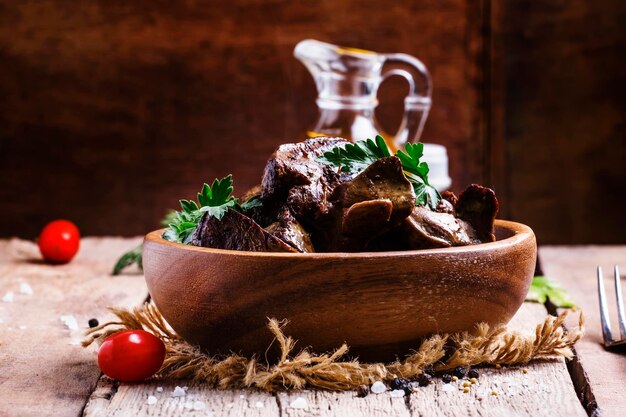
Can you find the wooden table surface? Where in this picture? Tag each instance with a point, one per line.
(43, 371)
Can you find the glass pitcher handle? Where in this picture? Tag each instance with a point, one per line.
(417, 102)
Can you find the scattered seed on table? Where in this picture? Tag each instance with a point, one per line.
(93, 323)
(398, 383)
(498, 366)
(473, 373)
(460, 371)
(466, 384)
(411, 387)
(423, 379)
(455, 378)
(466, 390)
(446, 378)
(525, 371)
(473, 380)
(494, 392)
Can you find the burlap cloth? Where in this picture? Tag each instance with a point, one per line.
(335, 371)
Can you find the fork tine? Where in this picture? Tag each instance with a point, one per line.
(620, 303)
(604, 311)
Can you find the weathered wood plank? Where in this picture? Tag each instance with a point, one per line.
(43, 370)
(603, 371)
(545, 390)
(342, 404)
(112, 399)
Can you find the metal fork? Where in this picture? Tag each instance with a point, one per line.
(609, 342)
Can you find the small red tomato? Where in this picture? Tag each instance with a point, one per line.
(131, 355)
(59, 241)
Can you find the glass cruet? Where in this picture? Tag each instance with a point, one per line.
(347, 81)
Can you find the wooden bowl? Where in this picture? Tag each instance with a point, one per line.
(380, 303)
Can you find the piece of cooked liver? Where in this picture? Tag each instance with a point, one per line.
(236, 231)
(290, 231)
(293, 177)
(478, 206)
(461, 221)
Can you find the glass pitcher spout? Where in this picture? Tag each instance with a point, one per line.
(347, 81)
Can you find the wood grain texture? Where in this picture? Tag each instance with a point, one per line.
(43, 370)
(379, 303)
(545, 390)
(107, 106)
(602, 374)
(564, 105)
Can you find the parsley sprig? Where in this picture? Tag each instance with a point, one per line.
(214, 199)
(416, 172)
(355, 157)
(543, 289)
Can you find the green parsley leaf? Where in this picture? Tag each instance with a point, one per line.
(251, 203)
(188, 205)
(355, 157)
(426, 194)
(131, 257)
(411, 159)
(219, 193)
(542, 288)
(215, 199)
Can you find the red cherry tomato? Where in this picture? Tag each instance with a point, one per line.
(59, 241)
(131, 355)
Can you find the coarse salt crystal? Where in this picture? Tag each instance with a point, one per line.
(152, 400)
(259, 404)
(242, 396)
(159, 389)
(178, 392)
(26, 289)
(448, 388)
(70, 322)
(8, 297)
(198, 405)
(378, 387)
(299, 403)
(397, 393)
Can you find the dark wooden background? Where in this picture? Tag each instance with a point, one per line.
(110, 110)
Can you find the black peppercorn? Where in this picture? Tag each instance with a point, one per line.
(424, 380)
(93, 323)
(446, 378)
(459, 372)
(430, 371)
(362, 391)
(396, 383)
(473, 373)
